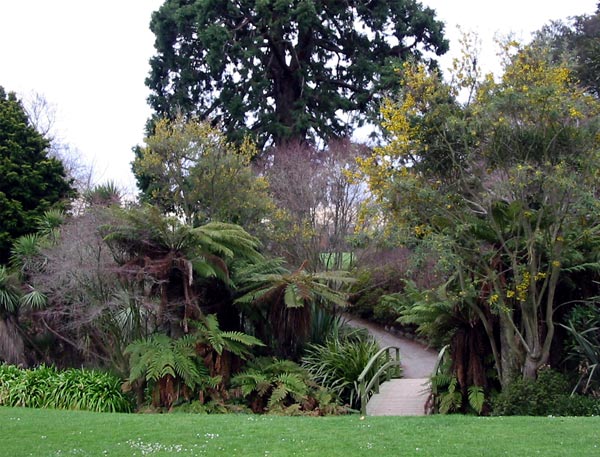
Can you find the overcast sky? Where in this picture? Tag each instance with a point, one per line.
(90, 59)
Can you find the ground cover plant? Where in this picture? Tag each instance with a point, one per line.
(52, 433)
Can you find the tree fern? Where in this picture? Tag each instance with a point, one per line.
(276, 383)
(284, 302)
(209, 332)
(158, 356)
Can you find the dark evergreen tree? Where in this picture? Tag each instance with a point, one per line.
(284, 69)
(30, 181)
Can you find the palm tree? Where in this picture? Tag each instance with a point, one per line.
(283, 301)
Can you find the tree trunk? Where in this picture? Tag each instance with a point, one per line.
(530, 366)
(510, 352)
(287, 92)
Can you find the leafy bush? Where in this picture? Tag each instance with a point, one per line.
(386, 272)
(365, 294)
(28, 388)
(283, 387)
(46, 387)
(548, 395)
(338, 363)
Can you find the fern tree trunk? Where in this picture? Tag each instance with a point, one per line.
(469, 348)
(12, 346)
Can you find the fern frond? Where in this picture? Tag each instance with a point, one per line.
(278, 395)
(476, 398)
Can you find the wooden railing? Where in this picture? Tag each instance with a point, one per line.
(391, 368)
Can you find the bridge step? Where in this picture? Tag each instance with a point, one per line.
(400, 397)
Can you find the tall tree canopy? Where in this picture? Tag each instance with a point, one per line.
(30, 181)
(577, 42)
(284, 69)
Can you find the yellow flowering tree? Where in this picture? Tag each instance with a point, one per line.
(501, 187)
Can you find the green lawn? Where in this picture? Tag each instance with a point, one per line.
(30, 432)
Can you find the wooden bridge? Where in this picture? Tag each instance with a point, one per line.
(406, 396)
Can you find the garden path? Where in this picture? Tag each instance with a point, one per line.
(406, 396)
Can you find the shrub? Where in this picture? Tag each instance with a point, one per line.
(271, 385)
(548, 395)
(46, 387)
(88, 390)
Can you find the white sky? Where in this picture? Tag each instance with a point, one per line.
(90, 59)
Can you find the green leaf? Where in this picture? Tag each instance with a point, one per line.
(291, 298)
(476, 398)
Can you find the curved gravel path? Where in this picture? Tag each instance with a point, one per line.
(418, 360)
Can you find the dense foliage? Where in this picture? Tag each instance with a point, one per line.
(576, 42)
(188, 168)
(548, 395)
(475, 222)
(277, 386)
(32, 182)
(283, 69)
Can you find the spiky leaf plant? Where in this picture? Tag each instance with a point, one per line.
(47, 387)
(338, 362)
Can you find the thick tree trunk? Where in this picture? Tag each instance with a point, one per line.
(530, 367)
(287, 92)
(511, 352)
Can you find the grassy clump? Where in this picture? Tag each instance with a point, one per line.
(51, 432)
(47, 387)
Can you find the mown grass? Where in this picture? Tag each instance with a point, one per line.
(31, 432)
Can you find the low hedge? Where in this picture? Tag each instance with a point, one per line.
(549, 395)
